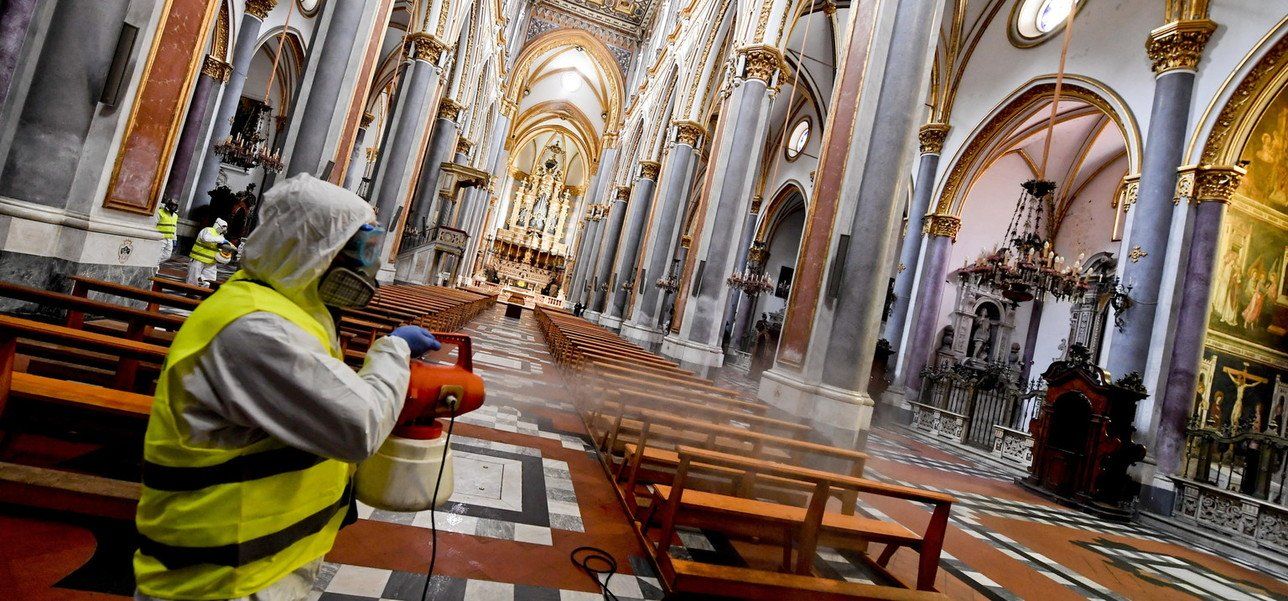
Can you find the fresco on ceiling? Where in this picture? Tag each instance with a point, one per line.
(1243, 380)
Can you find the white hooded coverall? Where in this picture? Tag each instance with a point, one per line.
(263, 376)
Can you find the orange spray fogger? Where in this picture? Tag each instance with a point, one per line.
(415, 459)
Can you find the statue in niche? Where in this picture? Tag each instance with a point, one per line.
(981, 335)
(1014, 358)
(523, 216)
(946, 340)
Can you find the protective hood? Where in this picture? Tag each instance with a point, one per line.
(303, 224)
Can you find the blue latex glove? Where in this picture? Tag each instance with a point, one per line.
(418, 338)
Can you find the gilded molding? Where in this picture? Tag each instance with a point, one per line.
(650, 169)
(1217, 183)
(367, 119)
(216, 69)
(1128, 192)
(1184, 185)
(938, 224)
(688, 132)
(422, 46)
(610, 139)
(449, 109)
(686, 241)
(762, 62)
(260, 8)
(756, 202)
(1137, 253)
(1179, 45)
(931, 136)
(1221, 144)
(509, 107)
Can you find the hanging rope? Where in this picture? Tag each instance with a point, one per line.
(791, 98)
(1059, 87)
(281, 43)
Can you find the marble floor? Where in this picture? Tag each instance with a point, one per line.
(529, 491)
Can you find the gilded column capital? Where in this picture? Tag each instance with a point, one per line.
(650, 169)
(762, 62)
(260, 8)
(367, 119)
(464, 146)
(688, 132)
(1179, 45)
(686, 241)
(422, 46)
(449, 109)
(756, 201)
(938, 224)
(509, 107)
(216, 69)
(623, 193)
(1212, 183)
(610, 139)
(1128, 192)
(931, 136)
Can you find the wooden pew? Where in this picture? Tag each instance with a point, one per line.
(797, 529)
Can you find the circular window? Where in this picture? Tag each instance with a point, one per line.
(1036, 21)
(798, 138)
(309, 7)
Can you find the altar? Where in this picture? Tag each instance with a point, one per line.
(528, 251)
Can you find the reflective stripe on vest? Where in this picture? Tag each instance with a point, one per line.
(220, 523)
(166, 223)
(202, 251)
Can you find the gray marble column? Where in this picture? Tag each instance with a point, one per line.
(1213, 188)
(358, 159)
(608, 245)
(931, 137)
(628, 257)
(930, 291)
(740, 151)
(666, 227)
(575, 286)
(243, 50)
(1172, 49)
(212, 75)
(739, 313)
(590, 252)
(334, 63)
(15, 18)
(398, 170)
(442, 143)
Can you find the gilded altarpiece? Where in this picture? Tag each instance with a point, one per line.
(529, 249)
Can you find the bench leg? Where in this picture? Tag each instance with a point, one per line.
(932, 544)
(886, 554)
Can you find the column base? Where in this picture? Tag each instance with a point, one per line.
(640, 334)
(692, 353)
(1158, 496)
(592, 316)
(894, 408)
(610, 322)
(842, 416)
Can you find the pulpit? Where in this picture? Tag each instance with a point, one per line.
(1082, 438)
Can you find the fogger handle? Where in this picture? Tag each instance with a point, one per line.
(464, 348)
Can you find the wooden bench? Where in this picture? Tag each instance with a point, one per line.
(798, 529)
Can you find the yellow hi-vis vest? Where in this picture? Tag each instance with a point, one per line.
(205, 252)
(166, 223)
(220, 523)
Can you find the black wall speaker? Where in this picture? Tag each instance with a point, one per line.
(115, 82)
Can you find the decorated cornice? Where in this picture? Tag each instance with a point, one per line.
(688, 132)
(1128, 191)
(216, 68)
(931, 136)
(1209, 183)
(762, 62)
(650, 169)
(422, 46)
(367, 119)
(449, 109)
(464, 146)
(1179, 45)
(1223, 144)
(610, 139)
(623, 193)
(260, 8)
(509, 107)
(938, 224)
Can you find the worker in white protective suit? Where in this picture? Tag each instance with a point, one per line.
(258, 422)
(203, 259)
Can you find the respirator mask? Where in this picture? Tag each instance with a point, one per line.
(351, 279)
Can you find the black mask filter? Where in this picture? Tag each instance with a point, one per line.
(351, 279)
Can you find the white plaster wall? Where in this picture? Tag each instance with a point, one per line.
(783, 249)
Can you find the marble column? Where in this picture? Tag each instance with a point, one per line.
(587, 233)
(243, 50)
(334, 63)
(15, 18)
(931, 137)
(398, 168)
(213, 74)
(580, 292)
(940, 232)
(608, 244)
(1175, 50)
(1213, 187)
(666, 227)
(442, 144)
(739, 313)
(698, 342)
(628, 262)
(358, 161)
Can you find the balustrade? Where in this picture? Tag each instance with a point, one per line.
(969, 401)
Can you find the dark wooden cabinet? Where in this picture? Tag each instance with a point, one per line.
(1082, 440)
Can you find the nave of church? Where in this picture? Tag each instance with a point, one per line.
(761, 299)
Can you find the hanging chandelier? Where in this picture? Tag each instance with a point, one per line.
(249, 148)
(1025, 266)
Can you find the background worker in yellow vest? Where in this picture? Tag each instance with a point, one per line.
(203, 268)
(257, 421)
(167, 222)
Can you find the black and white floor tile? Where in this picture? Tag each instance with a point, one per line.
(342, 582)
